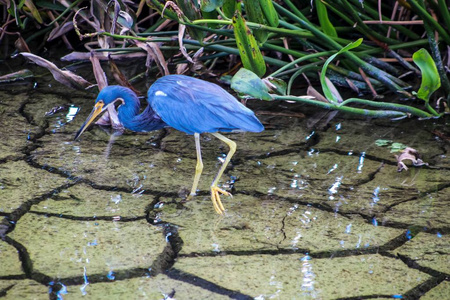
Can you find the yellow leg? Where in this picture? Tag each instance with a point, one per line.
(198, 167)
(215, 190)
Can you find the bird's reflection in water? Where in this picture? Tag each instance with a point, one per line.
(114, 135)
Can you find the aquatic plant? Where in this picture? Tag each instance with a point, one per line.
(292, 41)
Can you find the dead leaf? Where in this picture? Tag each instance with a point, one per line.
(83, 56)
(120, 77)
(16, 76)
(154, 54)
(409, 154)
(333, 90)
(442, 135)
(314, 93)
(65, 77)
(60, 31)
(181, 31)
(21, 45)
(99, 74)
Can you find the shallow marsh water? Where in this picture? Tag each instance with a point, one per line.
(316, 213)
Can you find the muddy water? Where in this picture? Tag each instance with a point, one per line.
(318, 212)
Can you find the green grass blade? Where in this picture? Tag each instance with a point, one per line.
(324, 21)
(326, 90)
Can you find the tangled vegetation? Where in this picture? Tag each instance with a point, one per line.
(267, 47)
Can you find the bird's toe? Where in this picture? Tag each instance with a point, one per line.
(215, 197)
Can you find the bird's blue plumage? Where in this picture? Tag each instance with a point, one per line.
(187, 104)
(128, 111)
(196, 106)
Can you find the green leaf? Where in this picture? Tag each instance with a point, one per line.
(255, 15)
(210, 5)
(13, 11)
(192, 12)
(229, 7)
(50, 4)
(431, 80)
(248, 83)
(270, 13)
(397, 147)
(324, 21)
(249, 52)
(277, 85)
(34, 11)
(382, 143)
(326, 90)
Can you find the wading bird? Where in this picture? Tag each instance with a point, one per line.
(187, 104)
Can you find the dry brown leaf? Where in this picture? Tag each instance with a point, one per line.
(65, 77)
(21, 45)
(154, 54)
(110, 117)
(80, 56)
(333, 90)
(16, 76)
(409, 154)
(120, 77)
(99, 74)
(60, 30)
(314, 93)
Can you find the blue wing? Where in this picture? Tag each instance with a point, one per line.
(195, 106)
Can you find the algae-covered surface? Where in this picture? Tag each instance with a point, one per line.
(318, 212)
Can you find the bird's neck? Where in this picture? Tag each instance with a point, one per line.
(131, 119)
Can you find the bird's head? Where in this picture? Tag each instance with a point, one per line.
(110, 95)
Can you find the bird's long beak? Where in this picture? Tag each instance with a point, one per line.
(97, 110)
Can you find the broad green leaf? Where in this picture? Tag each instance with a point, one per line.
(210, 5)
(249, 52)
(248, 83)
(229, 7)
(192, 12)
(324, 21)
(255, 15)
(326, 90)
(382, 143)
(270, 13)
(431, 80)
(397, 147)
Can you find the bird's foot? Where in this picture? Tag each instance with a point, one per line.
(215, 197)
(190, 197)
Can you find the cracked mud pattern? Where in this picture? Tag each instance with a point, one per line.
(316, 213)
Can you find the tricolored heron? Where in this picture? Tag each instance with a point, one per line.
(187, 104)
